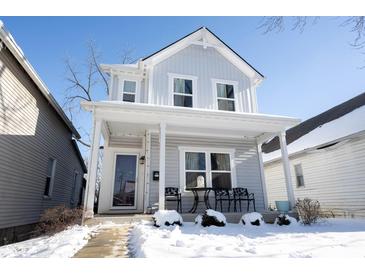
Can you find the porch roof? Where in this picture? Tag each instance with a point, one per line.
(133, 118)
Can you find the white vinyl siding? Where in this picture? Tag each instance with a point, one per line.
(245, 159)
(334, 176)
(205, 64)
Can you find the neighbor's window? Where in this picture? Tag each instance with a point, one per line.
(299, 175)
(215, 173)
(221, 170)
(195, 166)
(51, 171)
(225, 97)
(183, 92)
(129, 91)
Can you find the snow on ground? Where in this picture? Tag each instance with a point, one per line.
(331, 238)
(348, 124)
(61, 245)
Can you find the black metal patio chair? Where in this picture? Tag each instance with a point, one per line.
(221, 195)
(242, 194)
(173, 194)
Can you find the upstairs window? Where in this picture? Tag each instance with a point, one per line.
(183, 92)
(129, 91)
(51, 172)
(225, 97)
(299, 175)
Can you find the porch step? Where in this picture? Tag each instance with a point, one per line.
(117, 219)
(232, 217)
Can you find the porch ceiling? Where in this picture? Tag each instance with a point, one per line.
(130, 118)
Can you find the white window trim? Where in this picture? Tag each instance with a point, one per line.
(194, 80)
(121, 80)
(208, 169)
(51, 182)
(113, 182)
(215, 92)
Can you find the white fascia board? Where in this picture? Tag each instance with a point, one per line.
(10, 43)
(122, 69)
(204, 118)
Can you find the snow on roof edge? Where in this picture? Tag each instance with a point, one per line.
(350, 124)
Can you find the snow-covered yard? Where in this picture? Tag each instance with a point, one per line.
(61, 245)
(331, 238)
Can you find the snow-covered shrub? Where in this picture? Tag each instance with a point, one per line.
(198, 219)
(253, 218)
(211, 217)
(309, 210)
(284, 219)
(167, 218)
(58, 218)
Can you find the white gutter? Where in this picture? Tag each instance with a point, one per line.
(10, 43)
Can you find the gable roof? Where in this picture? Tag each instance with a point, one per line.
(10, 43)
(340, 121)
(201, 30)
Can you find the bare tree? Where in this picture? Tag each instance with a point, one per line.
(278, 24)
(83, 82)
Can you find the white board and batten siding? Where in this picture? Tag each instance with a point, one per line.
(245, 158)
(31, 132)
(205, 65)
(334, 176)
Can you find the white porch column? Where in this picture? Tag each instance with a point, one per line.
(161, 185)
(286, 167)
(262, 174)
(92, 170)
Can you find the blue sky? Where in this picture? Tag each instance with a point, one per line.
(306, 73)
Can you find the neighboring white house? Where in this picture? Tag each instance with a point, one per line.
(327, 156)
(187, 110)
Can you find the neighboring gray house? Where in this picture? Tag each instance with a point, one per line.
(327, 157)
(189, 112)
(40, 163)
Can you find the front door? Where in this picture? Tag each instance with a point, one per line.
(125, 181)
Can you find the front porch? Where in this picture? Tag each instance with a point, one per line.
(156, 139)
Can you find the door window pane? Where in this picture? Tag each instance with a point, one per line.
(227, 105)
(129, 86)
(183, 101)
(191, 179)
(125, 180)
(220, 161)
(194, 160)
(221, 180)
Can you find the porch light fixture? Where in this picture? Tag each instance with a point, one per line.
(142, 160)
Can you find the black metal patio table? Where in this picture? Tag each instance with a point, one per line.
(195, 191)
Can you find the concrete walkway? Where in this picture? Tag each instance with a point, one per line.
(108, 242)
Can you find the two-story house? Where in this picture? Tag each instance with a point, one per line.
(186, 111)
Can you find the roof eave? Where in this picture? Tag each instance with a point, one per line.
(9, 42)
